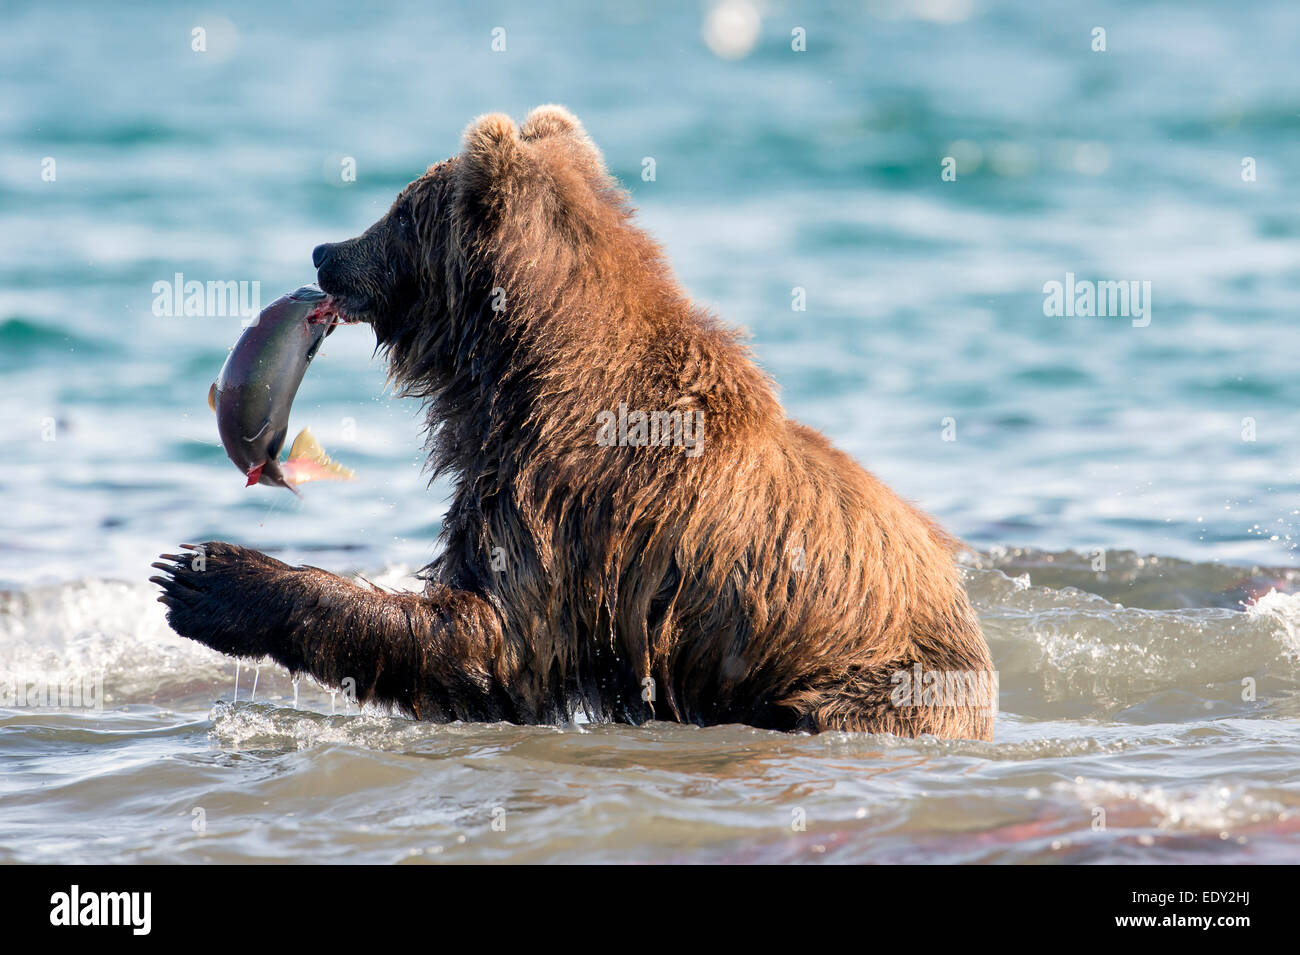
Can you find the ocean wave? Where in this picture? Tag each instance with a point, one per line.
(1062, 652)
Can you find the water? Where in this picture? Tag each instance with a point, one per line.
(1127, 730)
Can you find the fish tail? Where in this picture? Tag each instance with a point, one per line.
(309, 462)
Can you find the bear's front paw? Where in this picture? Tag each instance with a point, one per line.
(216, 594)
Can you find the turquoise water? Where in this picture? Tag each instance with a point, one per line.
(818, 170)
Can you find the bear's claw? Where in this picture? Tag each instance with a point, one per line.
(211, 595)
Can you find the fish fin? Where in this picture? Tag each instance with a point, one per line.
(309, 462)
(254, 475)
(212, 397)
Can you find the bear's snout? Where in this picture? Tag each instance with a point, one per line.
(337, 276)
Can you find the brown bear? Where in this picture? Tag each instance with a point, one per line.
(637, 530)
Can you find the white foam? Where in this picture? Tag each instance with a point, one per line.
(1212, 808)
(1284, 610)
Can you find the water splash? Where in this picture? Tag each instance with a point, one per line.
(1092, 690)
(1282, 609)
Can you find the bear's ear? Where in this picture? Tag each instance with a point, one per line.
(550, 119)
(492, 153)
(551, 124)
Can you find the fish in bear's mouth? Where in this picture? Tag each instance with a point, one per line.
(331, 311)
(254, 392)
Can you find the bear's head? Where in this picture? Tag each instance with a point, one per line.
(483, 244)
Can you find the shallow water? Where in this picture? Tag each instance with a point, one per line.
(1078, 441)
(1123, 736)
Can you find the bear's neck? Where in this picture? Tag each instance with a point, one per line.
(517, 361)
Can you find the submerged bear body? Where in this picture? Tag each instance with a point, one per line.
(637, 531)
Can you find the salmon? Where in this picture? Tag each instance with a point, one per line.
(255, 390)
